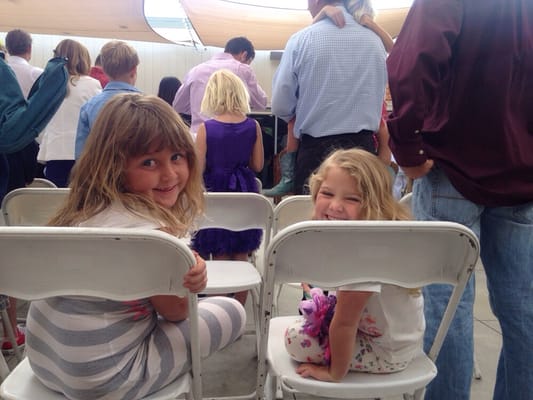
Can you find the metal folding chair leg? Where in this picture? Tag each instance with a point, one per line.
(477, 370)
(4, 368)
(10, 330)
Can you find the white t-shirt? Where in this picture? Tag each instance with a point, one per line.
(116, 216)
(394, 318)
(26, 73)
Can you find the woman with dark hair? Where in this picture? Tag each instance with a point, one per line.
(168, 87)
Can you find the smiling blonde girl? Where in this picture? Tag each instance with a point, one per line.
(376, 328)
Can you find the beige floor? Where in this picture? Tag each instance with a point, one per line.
(232, 371)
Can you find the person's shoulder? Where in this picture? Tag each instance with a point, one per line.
(300, 38)
(95, 102)
(16, 60)
(202, 67)
(196, 75)
(117, 216)
(114, 87)
(241, 69)
(306, 31)
(36, 69)
(96, 99)
(90, 81)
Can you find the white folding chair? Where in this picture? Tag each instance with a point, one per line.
(29, 207)
(42, 183)
(259, 184)
(406, 199)
(330, 254)
(236, 212)
(41, 262)
(288, 211)
(32, 206)
(4, 368)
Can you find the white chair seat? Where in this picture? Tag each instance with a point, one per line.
(24, 385)
(230, 276)
(237, 212)
(225, 277)
(356, 385)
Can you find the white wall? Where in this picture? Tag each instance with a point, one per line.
(157, 60)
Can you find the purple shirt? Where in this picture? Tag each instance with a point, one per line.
(190, 94)
(461, 81)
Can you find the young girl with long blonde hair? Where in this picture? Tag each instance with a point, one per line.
(376, 328)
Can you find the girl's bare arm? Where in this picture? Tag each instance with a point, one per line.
(258, 155)
(175, 308)
(201, 146)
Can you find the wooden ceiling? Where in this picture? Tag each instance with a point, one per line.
(113, 19)
(214, 21)
(268, 29)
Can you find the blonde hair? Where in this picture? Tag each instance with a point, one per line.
(374, 183)
(77, 55)
(118, 58)
(128, 126)
(225, 93)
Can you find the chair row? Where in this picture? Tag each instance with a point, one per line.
(406, 253)
(34, 206)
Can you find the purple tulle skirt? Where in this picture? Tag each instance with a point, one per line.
(221, 241)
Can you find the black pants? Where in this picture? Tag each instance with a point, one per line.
(58, 171)
(22, 166)
(312, 151)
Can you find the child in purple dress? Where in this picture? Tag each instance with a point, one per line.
(230, 150)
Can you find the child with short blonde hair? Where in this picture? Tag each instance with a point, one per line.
(230, 148)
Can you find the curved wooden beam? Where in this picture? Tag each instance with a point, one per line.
(91, 18)
(268, 28)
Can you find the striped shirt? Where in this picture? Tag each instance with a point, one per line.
(90, 348)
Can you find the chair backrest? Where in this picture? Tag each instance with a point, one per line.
(411, 254)
(32, 206)
(42, 183)
(407, 199)
(290, 210)
(259, 184)
(41, 262)
(237, 212)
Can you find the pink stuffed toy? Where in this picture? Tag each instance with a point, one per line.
(318, 312)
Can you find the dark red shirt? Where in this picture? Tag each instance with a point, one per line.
(98, 73)
(461, 81)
